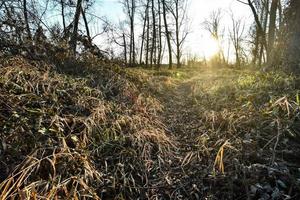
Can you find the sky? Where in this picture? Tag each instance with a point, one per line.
(199, 41)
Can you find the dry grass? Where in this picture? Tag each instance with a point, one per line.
(84, 131)
(257, 112)
(66, 136)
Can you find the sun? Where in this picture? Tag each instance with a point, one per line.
(209, 47)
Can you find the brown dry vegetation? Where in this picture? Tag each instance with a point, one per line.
(71, 137)
(90, 130)
(238, 133)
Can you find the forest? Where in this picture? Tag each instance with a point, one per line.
(150, 99)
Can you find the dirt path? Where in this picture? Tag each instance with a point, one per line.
(203, 113)
(191, 171)
(183, 120)
(180, 112)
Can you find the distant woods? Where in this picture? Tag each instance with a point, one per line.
(152, 30)
(153, 33)
(164, 28)
(25, 28)
(274, 32)
(271, 41)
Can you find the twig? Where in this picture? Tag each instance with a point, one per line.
(276, 143)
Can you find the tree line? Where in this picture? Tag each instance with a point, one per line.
(164, 29)
(154, 31)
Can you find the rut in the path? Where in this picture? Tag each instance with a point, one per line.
(181, 114)
(183, 121)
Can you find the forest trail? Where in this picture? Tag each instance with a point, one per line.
(180, 112)
(182, 109)
(212, 115)
(181, 115)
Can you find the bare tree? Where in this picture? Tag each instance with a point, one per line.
(272, 28)
(153, 47)
(178, 9)
(130, 8)
(213, 26)
(236, 36)
(267, 18)
(292, 54)
(148, 35)
(260, 30)
(118, 36)
(86, 24)
(159, 35)
(145, 21)
(62, 4)
(74, 37)
(167, 33)
(25, 12)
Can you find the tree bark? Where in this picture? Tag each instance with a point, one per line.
(256, 47)
(153, 47)
(26, 19)
(263, 44)
(167, 34)
(272, 28)
(159, 35)
(125, 47)
(177, 34)
(63, 14)
(148, 37)
(132, 31)
(73, 42)
(130, 7)
(293, 45)
(86, 26)
(260, 29)
(144, 31)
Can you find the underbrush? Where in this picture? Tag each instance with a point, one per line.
(250, 131)
(239, 130)
(159, 81)
(89, 129)
(82, 133)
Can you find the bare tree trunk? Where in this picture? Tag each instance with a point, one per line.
(132, 30)
(280, 10)
(86, 26)
(144, 31)
(142, 45)
(213, 26)
(260, 29)
(179, 14)
(272, 28)
(63, 14)
(256, 48)
(73, 42)
(167, 34)
(177, 34)
(153, 48)
(265, 25)
(159, 35)
(228, 52)
(293, 45)
(147, 38)
(130, 7)
(236, 36)
(125, 47)
(130, 46)
(26, 19)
